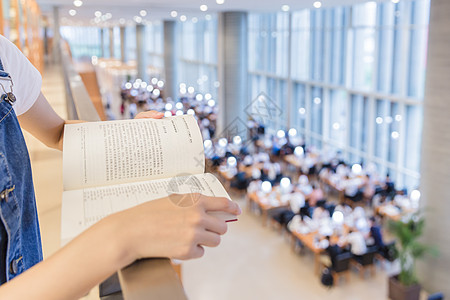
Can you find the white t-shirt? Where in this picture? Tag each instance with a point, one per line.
(26, 78)
(356, 239)
(297, 201)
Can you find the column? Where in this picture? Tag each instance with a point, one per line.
(170, 59)
(141, 52)
(56, 36)
(123, 55)
(232, 74)
(102, 42)
(111, 42)
(435, 170)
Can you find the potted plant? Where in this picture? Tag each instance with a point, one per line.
(405, 285)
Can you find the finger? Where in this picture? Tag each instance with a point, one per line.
(198, 252)
(209, 239)
(215, 225)
(220, 204)
(152, 114)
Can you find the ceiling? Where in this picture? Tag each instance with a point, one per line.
(160, 9)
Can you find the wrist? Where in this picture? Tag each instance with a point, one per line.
(118, 241)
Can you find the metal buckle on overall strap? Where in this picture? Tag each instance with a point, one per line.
(7, 96)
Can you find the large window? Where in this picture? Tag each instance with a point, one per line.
(198, 54)
(155, 48)
(356, 79)
(84, 41)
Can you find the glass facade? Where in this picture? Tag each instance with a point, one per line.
(357, 77)
(198, 54)
(84, 41)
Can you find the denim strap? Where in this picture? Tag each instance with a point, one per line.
(2, 70)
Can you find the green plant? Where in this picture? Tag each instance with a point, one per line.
(408, 247)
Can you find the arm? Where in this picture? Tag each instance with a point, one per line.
(154, 229)
(44, 123)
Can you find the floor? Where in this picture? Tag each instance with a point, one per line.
(252, 262)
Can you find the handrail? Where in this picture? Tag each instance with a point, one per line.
(145, 279)
(79, 104)
(163, 282)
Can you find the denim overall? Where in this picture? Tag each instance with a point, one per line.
(20, 241)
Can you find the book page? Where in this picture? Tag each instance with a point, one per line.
(83, 208)
(114, 152)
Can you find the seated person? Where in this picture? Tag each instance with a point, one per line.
(352, 190)
(299, 224)
(287, 149)
(320, 213)
(296, 202)
(240, 181)
(333, 250)
(376, 236)
(368, 188)
(389, 187)
(316, 195)
(345, 209)
(304, 186)
(254, 186)
(306, 210)
(375, 233)
(356, 241)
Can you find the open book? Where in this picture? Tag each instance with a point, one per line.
(111, 166)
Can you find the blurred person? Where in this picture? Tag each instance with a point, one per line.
(320, 213)
(332, 251)
(355, 239)
(315, 195)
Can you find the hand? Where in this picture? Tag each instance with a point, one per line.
(151, 114)
(160, 228)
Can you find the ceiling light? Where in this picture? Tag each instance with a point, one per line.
(395, 1)
(285, 8)
(208, 17)
(317, 4)
(143, 13)
(203, 7)
(194, 20)
(183, 18)
(72, 12)
(77, 3)
(173, 14)
(122, 21)
(98, 14)
(292, 132)
(220, 2)
(137, 19)
(108, 16)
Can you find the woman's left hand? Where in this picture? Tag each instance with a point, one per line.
(151, 114)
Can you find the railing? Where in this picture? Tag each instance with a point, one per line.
(145, 279)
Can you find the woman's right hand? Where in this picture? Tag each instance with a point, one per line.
(169, 227)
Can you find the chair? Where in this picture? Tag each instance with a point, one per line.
(341, 266)
(365, 261)
(437, 296)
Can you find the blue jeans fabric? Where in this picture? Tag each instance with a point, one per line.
(17, 202)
